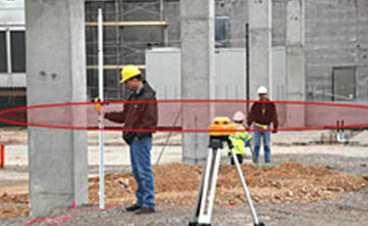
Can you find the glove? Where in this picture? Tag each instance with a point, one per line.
(274, 131)
(129, 137)
(108, 115)
(113, 116)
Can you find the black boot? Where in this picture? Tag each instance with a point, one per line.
(133, 208)
(145, 210)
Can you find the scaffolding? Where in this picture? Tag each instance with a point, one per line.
(131, 27)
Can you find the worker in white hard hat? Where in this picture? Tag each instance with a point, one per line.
(140, 121)
(240, 140)
(263, 113)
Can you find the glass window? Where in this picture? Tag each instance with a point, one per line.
(344, 83)
(18, 52)
(3, 55)
(222, 29)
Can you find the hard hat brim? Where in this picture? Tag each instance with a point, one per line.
(131, 77)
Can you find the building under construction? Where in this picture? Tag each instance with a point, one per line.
(208, 60)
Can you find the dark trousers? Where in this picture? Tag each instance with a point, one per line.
(239, 157)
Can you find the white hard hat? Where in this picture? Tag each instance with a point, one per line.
(239, 116)
(262, 90)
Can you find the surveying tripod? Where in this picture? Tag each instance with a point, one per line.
(206, 197)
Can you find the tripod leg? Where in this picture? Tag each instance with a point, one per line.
(207, 175)
(203, 190)
(246, 191)
(207, 191)
(214, 177)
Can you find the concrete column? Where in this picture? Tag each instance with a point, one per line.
(198, 70)
(295, 50)
(56, 72)
(295, 61)
(260, 24)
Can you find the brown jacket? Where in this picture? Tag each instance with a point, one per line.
(263, 112)
(142, 115)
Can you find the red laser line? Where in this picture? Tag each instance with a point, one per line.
(28, 109)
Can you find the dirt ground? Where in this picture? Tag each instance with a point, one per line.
(289, 184)
(307, 185)
(349, 210)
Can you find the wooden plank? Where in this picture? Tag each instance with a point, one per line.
(129, 23)
(112, 67)
(12, 93)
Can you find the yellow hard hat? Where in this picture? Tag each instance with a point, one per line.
(128, 72)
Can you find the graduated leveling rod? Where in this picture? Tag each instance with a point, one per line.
(99, 108)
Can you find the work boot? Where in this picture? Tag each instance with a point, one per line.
(145, 210)
(133, 208)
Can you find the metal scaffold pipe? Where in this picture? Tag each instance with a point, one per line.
(101, 113)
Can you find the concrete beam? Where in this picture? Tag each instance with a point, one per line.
(198, 71)
(260, 24)
(56, 72)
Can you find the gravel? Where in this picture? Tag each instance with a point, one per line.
(350, 209)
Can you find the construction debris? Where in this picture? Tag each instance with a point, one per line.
(177, 184)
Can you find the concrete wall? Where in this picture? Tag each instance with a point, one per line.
(336, 36)
(237, 11)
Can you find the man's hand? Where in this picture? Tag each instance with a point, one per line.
(274, 131)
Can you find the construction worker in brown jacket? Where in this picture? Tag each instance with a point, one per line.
(140, 120)
(261, 115)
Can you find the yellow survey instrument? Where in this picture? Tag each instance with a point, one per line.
(222, 126)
